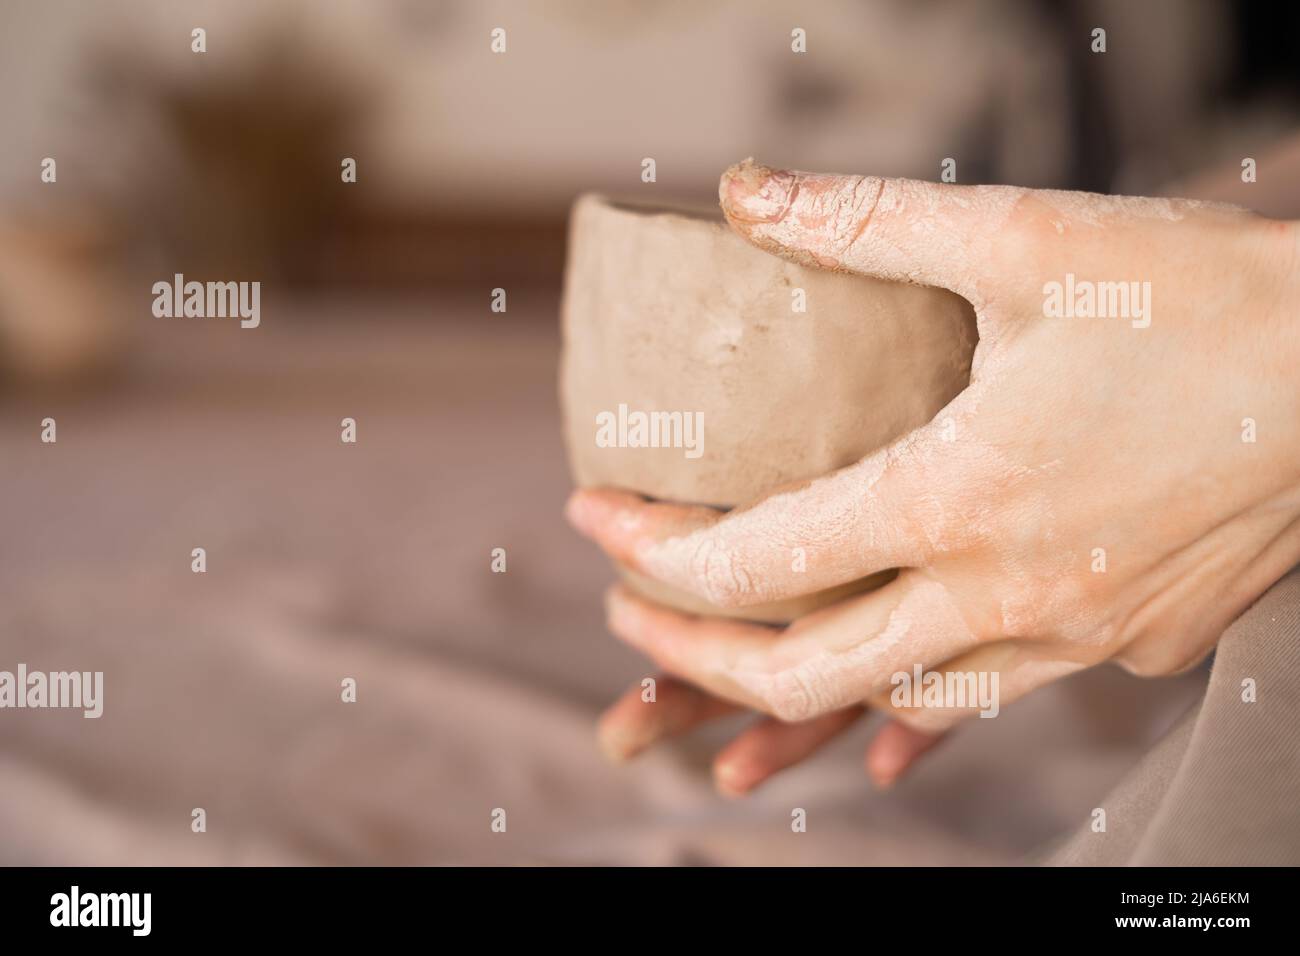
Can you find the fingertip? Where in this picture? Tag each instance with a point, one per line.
(610, 748)
(731, 183)
(577, 512)
(615, 744)
(750, 192)
(617, 602)
(588, 508)
(733, 779)
(886, 757)
(883, 765)
(882, 775)
(625, 729)
(614, 519)
(893, 752)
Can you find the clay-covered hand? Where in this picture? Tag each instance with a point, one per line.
(1119, 481)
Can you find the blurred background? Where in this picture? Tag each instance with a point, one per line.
(327, 560)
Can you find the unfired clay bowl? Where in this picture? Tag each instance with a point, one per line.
(670, 311)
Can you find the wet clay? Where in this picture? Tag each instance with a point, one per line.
(672, 312)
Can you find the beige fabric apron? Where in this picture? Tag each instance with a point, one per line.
(1223, 786)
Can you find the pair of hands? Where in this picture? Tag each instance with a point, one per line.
(1105, 488)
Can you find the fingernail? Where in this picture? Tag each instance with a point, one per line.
(750, 192)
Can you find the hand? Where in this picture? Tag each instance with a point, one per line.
(1107, 488)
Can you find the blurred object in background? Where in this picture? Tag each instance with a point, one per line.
(468, 159)
(166, 162)
(231, 173)
(1182, 87)
(64, 310)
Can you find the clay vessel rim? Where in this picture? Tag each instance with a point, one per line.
(645, 209)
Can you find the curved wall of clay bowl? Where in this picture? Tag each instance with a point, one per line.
(672, 312)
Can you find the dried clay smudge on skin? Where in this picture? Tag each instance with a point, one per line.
(845, 516)
(824, 220)
(782, 193)
(844, 513)
(925, 627)
(839, 511)
(786, 518)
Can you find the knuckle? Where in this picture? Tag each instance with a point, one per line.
(860, 203)
(790, 699)
(1032, 233)
(1035, 604)
(1020, 616)
(926, 524)
(1031, 222)
(720, 575)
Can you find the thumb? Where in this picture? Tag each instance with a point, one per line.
(900, 229)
